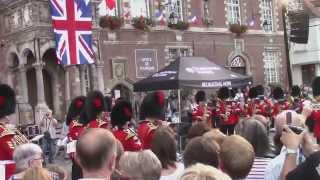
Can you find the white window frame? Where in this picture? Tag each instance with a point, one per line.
(271, 66)
(233, 11)
(146, 9)
(267, 15)
(176, 7)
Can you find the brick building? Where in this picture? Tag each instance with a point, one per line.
(127, 55)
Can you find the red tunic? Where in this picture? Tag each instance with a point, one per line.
(279, 107)
(229, 112)
(146, 131)
(199, 112)
(9, 140)
(75, 130)
(97, 123)
(128, 139)
(264, 107)
(315, 115)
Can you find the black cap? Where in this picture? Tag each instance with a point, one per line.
(94, 105)
(75, 108)
(224, 93)
(278, 93)
(295, 91)
(7, 100)
(200, 96)
(121, 113)
(316, 86)
(152, 105)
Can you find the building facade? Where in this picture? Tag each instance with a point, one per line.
(305, 58)
(124, 56)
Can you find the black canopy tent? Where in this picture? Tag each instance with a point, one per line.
(192, 72)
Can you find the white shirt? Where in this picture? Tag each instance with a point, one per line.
(176, 174)
(274, 167)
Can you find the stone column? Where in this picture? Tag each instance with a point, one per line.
(100, 77)
(41, 107)
(67, 87)
(24, 87)
(25, 110)
(82, 69)
(317, 69)
(10, 77)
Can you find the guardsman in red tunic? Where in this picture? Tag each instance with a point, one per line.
(250, 106)
(202, 113)
(75, 130)
(229, 111)
(10, 137)
(121, 115)
(296, 101)
(152, 109)
(280, 103)
(95, 107)
(315, 105)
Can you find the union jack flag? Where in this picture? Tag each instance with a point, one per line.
(72, 21)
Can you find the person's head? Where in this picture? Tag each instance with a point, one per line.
(203, 172)
(152, 106)
(75, 108)
(256, 133)
(27, 155)
(164, 146)
(262, 119)
(236, 156)
(62, 173)
(223, 93)
(200, 97)
(216, 135)
(36, 173)
(316, 88)
(121, 114)
(198, 129)
(140, 165)
(7, 101)
(199, 149)
(96, 152)
(94, 105)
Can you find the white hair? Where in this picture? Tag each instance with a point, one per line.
(24, 153)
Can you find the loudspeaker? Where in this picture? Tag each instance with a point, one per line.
(299, 27)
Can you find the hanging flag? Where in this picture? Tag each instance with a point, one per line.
(106, 8)
(72, 21)
(111, 4)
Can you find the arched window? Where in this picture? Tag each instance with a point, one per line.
(238, 65)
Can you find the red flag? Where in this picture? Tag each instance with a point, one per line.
(111, 4)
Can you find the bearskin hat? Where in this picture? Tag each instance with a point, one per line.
(259, 90)
(295, 91)
(278, 93)
(316, 86)
(253, 93)
(121, 113)
(94, 104)
(7, 100)
(224, 93)
(152, 105)
(200, 96)
(108, 102)
(75, 108)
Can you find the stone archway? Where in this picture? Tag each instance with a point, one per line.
(54, 79)
(240, 63)
(125, 92)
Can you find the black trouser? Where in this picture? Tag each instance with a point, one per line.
(227, 129)
(76, 171)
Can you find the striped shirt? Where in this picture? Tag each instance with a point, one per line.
(258, 169)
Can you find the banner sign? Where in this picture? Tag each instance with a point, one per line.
(146, 62)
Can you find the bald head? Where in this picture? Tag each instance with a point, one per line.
(95, 149)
